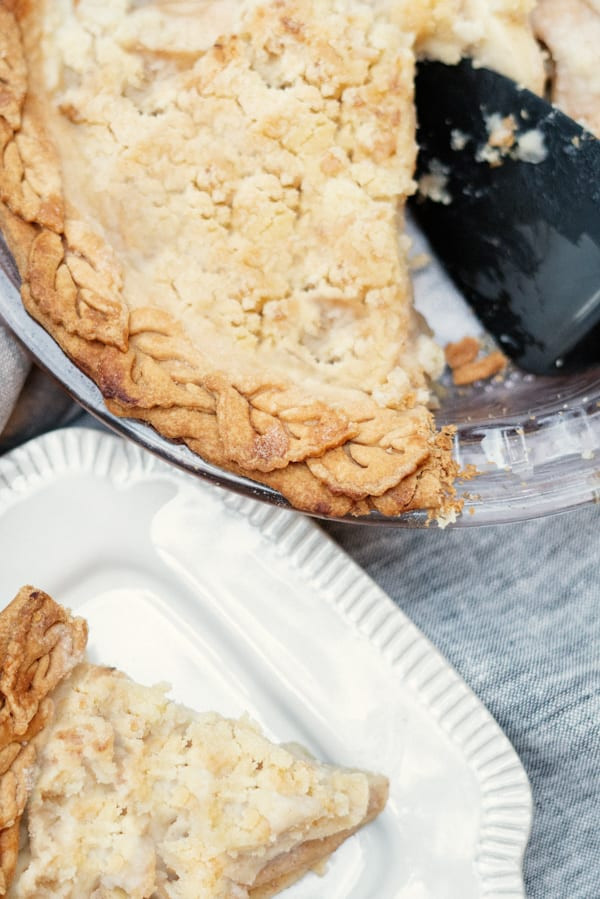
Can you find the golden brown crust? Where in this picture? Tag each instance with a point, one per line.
(40, 643)
(480, 369)
(285, 870)
(461, 352)
(313, 451)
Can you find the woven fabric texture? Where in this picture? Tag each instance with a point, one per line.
(516, 609)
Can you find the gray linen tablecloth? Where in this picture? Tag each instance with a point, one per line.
(30, 402)
(515, 608)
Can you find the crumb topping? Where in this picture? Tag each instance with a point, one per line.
(571, 31)
(480, 369)
(138, 796)
(248, 180)
(462, 358)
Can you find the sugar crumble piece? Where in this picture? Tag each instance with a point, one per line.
(462, 352)
(479, 369)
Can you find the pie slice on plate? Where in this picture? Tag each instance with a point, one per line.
(497, 33)
(122, 792)
(40, 643)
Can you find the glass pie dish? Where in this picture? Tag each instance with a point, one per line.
(535, 441)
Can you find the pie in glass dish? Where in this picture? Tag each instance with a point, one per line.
(111, 789)
(205, 201)
(570, 29)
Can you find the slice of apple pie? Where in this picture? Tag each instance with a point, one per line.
(40, 643)
(204, 200)
(125, 793)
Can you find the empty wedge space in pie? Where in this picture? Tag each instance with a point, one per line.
(110, 788)
(205, 202)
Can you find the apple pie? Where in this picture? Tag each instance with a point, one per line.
(204, 199)
(570, 29)
(119, 791)
(497, 33)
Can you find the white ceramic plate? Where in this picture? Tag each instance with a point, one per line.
(242, 606)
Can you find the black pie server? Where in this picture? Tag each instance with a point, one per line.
(521, 238)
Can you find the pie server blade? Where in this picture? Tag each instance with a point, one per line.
(520, 238)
